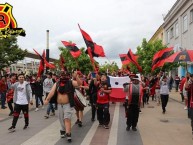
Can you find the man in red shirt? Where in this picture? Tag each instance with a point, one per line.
(3, 90)
(103, 102)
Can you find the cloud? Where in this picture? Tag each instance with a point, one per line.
(115, 24)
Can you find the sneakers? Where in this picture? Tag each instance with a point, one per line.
(77, 121)
(68, 137)
(36, 109)
(127, 128)
(62, 133)
(25, 127)
(80, 124)
(106, 126)
(46, 116)
(52, 114)
(100, 125)
(11, 114)
(134, 128)
(185, 108)
(11, 129)
(92, 119)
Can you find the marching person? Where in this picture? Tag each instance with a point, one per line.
(10, 92)
(189, 87)
(93, 87)
(63, 92)
(3, 90)
(103, 92)
(22, 97)
(134, 91)
(164, 92)
(38, 89)
(47, 86)
(79, 110)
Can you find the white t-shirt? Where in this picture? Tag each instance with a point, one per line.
(21, 95)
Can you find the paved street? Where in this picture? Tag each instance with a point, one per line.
(154, 128)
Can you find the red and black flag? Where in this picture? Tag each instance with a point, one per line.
(124, 59)
(160, 56)
(74, 51)
(62, 61)
(41, 66)
(96, 50)
(133, 59)
(45, 62)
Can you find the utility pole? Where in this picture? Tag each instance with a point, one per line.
(47, 49)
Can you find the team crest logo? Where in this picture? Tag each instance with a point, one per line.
(8, 24)
(182, 57)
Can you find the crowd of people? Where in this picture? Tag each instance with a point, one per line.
(59, 92)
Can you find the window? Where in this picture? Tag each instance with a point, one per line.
(172, 32)
(176, 30)
(168, 37)
(185, 23)
(191, 15)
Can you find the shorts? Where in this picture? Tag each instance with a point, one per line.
(67, 110)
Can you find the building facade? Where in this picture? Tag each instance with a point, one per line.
(178, 29)
(158, 35)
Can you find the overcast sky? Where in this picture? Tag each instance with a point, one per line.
(115, 24)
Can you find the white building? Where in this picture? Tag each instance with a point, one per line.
(178, 29)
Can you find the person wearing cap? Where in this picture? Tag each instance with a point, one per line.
(63, 92)
(134, 91)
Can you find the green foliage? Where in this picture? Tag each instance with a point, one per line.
(145, 54)
(110, 67)
(10, 52)
(82, 62)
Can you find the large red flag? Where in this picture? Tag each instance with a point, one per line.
(74, 51)
(49, 65)
(96, 50)
(124, 59)
(160, 56)
(41, 65)
(133, 59)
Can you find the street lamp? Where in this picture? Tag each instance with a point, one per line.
(47, 49)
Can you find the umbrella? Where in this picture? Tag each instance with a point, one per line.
(185, 55)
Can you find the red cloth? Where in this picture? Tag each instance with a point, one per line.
(182, 82)
(3, 86)
(102, 98)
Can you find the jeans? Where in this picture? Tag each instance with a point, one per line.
(50, 108)
(164, 100)
(3, 99)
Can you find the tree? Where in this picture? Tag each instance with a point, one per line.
(82, 62)
(113, 67)
(145, 54)
(10, 52)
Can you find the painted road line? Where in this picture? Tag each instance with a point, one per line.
(114, 127)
